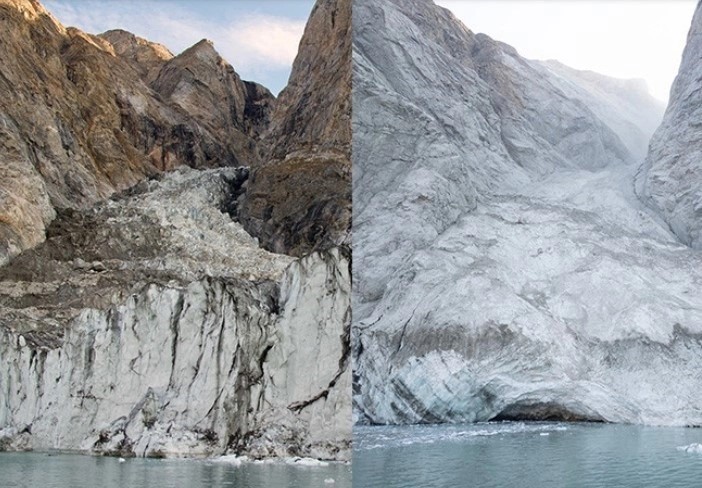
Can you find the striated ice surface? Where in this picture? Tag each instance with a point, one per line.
(504, 266)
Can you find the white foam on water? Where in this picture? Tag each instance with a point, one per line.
(234, 460)
(369, 438)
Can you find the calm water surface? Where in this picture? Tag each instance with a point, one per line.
(538, 455)
(41, 470)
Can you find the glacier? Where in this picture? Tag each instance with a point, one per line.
(505, 266)
(150, 304)
(184, 339)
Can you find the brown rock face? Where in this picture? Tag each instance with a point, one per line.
(78, 121)
(205, 86)
(146, 57)
(299, 199)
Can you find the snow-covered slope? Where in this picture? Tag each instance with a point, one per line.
(504, 267)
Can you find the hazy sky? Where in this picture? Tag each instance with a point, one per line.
(620, 38)
(258, 37)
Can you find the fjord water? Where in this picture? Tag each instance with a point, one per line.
(30, 470)
(538, 455)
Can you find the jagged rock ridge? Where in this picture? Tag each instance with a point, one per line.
(146, 57)
(503, 265)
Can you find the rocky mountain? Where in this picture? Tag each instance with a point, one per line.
(145, 57)
(79, 122)
(205, 86)
(671, 179)
(307, 155)
(504, 267)
(137, 315)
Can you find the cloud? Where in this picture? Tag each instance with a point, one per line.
(263, 37)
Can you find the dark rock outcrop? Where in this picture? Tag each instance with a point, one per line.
(299, 199)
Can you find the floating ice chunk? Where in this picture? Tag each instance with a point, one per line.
(232, 459)
(306, 462)
(695, 448)
(329, 481)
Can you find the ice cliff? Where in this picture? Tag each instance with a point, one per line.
(138, 315)
(504, 267)
(154, 325)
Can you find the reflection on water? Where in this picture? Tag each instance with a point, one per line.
(42, 470)
(539, 455)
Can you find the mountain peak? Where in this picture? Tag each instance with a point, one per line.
(144, 56)
(204, 50)
(204, 42)
(122, 40)
(31, 9)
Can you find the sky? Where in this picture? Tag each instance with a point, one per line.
(259, 38)
(620, 38)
